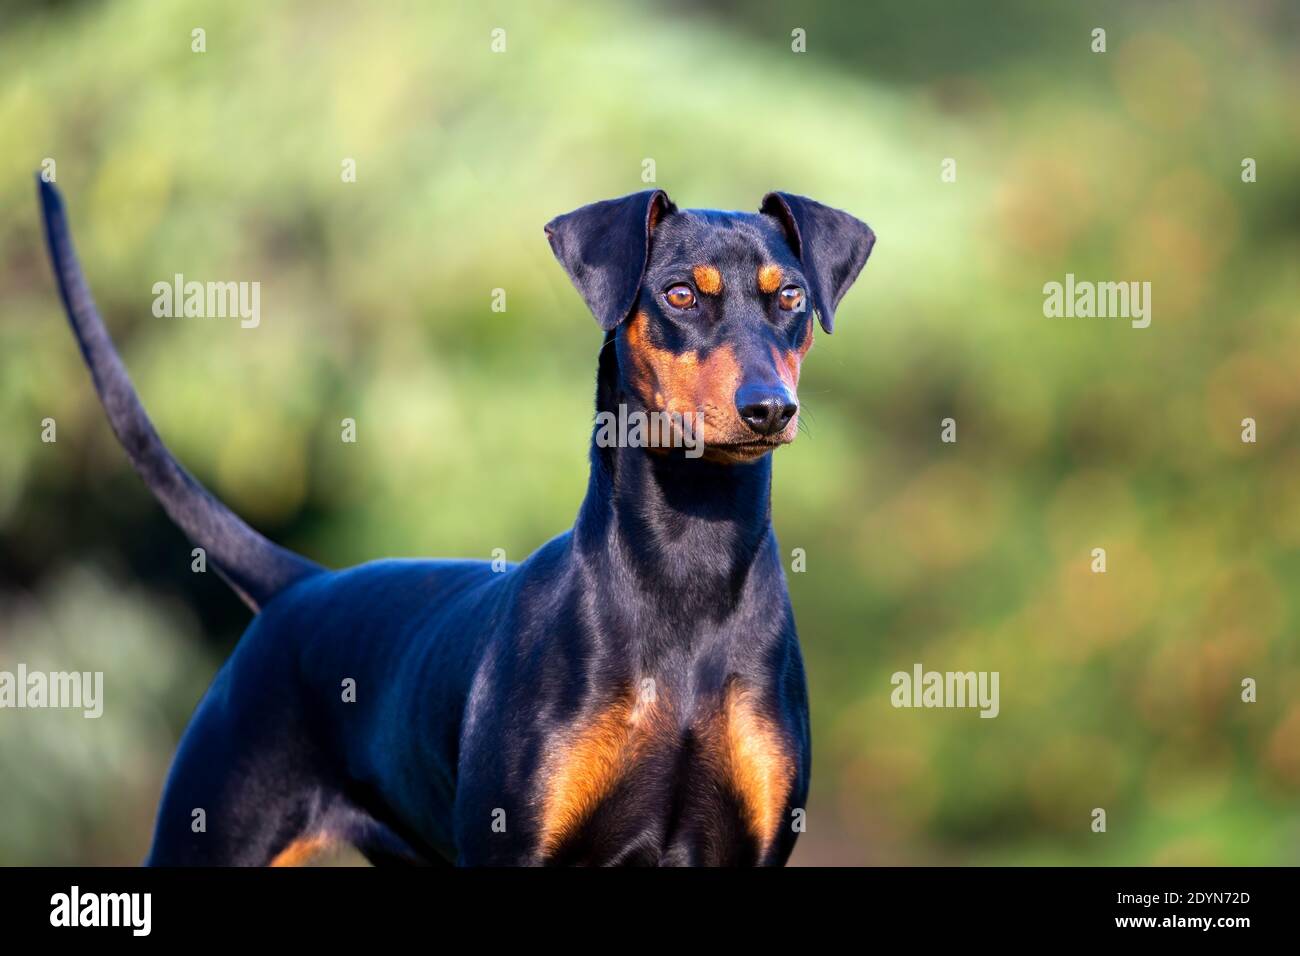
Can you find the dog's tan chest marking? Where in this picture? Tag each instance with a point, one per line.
(758, 764)
(744, 750)
(586, 766)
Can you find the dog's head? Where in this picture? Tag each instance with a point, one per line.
(712, 312)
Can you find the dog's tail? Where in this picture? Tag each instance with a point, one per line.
(254, 567)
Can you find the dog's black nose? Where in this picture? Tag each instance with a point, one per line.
(764, 409)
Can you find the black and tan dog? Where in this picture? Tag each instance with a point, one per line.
(632, 693)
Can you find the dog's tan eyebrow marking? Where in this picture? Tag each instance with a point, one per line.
(707, 279)
(769, 278)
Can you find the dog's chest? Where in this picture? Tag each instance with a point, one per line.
(636, 781)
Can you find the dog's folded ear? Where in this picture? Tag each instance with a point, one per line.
(603, 247)
(831, 245)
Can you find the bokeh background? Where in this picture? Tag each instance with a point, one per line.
(1119, 690)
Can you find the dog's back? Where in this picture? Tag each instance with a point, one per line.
(341, 683)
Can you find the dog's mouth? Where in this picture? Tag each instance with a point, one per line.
(746, 450)
(723, 439)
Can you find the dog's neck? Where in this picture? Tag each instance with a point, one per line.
(686, 530)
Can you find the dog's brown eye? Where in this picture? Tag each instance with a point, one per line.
(680, 297)
(791, 299)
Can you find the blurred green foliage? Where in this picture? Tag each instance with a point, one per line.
(1118, 690)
